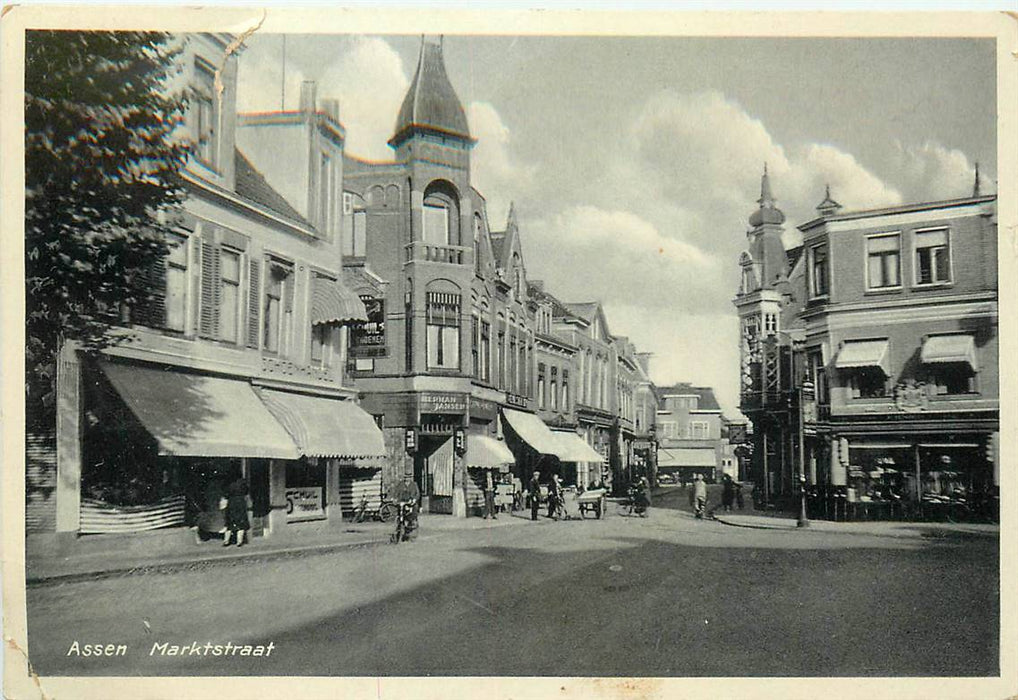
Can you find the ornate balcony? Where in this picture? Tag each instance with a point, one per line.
(419, 251)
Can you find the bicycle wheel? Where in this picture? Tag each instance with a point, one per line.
(387, 512)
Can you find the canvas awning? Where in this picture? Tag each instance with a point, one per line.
(192, 415)
(325, 427)
(532, 431)
(856, 354)
(573, 448)
(332, 302)
(949, 348)
(686, 457)
(487, 453)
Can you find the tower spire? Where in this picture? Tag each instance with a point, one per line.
(828, 206)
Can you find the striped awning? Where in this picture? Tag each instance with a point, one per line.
(332, 302)
(487, 453)
(325, 427)
(193, 415)
(855, 354)
(949, 349)
(532, 431)
(573, 448)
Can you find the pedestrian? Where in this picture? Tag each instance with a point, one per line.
(237, 523)
(738, 495)
(534, 491)
(727, 493)
(699, 495)
(489, 496)
(553, 494)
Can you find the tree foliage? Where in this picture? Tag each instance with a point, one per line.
(102, 153)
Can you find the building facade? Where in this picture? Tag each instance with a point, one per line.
(236, 368)
(690, 429)
(870, 361)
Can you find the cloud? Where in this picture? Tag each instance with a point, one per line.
(931, 171)
(260, 79)
(494, 170)
(369, 81)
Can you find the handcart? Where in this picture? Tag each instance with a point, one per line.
(592, 501)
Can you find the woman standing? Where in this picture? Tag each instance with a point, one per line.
(236, 511)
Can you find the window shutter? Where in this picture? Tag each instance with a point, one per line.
(254, 304)
(208, 322)
(150, 309)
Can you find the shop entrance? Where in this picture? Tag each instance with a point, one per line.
(433, 467)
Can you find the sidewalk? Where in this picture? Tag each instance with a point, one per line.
(878, 528)
(101, 556)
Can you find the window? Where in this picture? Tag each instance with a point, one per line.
(946, 379)
(565, 390)
(475, 345)
(278, 307)
(485, 351)
(229, 296)
(540, 385)
(443, 341)
(933, 262)
(436, 224)
(500, 356)
(176, 283)
(883, 262)
(206, 114)
(554, 388)
(327, 199)
(669, 429)
(521, 367)
(355, 223)
(770, 324)
(321, 341)
(699, 430)
(867, 383)
(478, 229)
(818, 271)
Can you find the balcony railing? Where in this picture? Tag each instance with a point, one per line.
(419, 251)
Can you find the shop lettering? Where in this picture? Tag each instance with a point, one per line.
(303, 503)
(438, 402)
(78, 649)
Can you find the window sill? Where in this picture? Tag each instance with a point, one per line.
(878, 291)
(932, 285)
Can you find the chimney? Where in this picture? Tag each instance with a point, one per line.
(331, 108)
(308, 96)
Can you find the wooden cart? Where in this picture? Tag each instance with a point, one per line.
(592, 501)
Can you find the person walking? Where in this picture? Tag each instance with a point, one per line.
(727, 493)
(554, 489)
(534, 491)
(489, 496)
(237, 523)
(738, 495)
(699, 496)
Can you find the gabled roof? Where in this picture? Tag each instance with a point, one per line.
(497, 240)
(431, 103)
(707, 402)
(251, 184)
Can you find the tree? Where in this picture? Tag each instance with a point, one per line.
(102, 154)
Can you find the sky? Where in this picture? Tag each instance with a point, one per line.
(635, 162)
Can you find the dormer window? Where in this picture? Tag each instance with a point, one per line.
(206, 115)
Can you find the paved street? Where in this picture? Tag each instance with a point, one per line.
(667, 595)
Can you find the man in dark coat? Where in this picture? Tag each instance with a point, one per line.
(534, 490)
(236, 511)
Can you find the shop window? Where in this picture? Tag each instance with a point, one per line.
(278, 307)
(933, 264)
(883, 262)
(206, 115)
(867, 383)
(177, 283)
(950, 378)
(443, 331)
(819, 278)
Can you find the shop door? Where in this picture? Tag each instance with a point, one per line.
(438, 467)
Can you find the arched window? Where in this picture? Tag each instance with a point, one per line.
(478, 230)
(441, 215)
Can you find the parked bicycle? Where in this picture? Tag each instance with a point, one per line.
(385, 512)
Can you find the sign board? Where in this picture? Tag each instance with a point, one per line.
(368, 339)
(410, 439)
(442, 402)
(304, 503)
(516, 400)
(736, 433)
(482, 409)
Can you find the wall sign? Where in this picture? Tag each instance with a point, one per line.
(410, 440)
(304, 503)
(368, 339)
(435, 402)
(516, 400)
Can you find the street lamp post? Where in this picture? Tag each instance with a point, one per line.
(806, 388)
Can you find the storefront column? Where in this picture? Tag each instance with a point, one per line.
(68, 435)
(333, 511)
(459, 486)
(277, 496)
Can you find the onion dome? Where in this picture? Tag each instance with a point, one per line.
(431, 104)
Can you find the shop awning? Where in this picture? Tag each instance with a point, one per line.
(487, 453)
(332, 302)
(949, 348)
(532, 431)
(573, 448)
(686, 457)
(864, 353)
(192, 415)
(325, 427)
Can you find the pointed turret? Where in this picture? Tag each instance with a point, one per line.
(828, 206)
(766, 251)
(767, 213)
(431, 104)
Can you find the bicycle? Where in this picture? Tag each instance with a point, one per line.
(632, 504)
(385, 512)
(405, 523)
